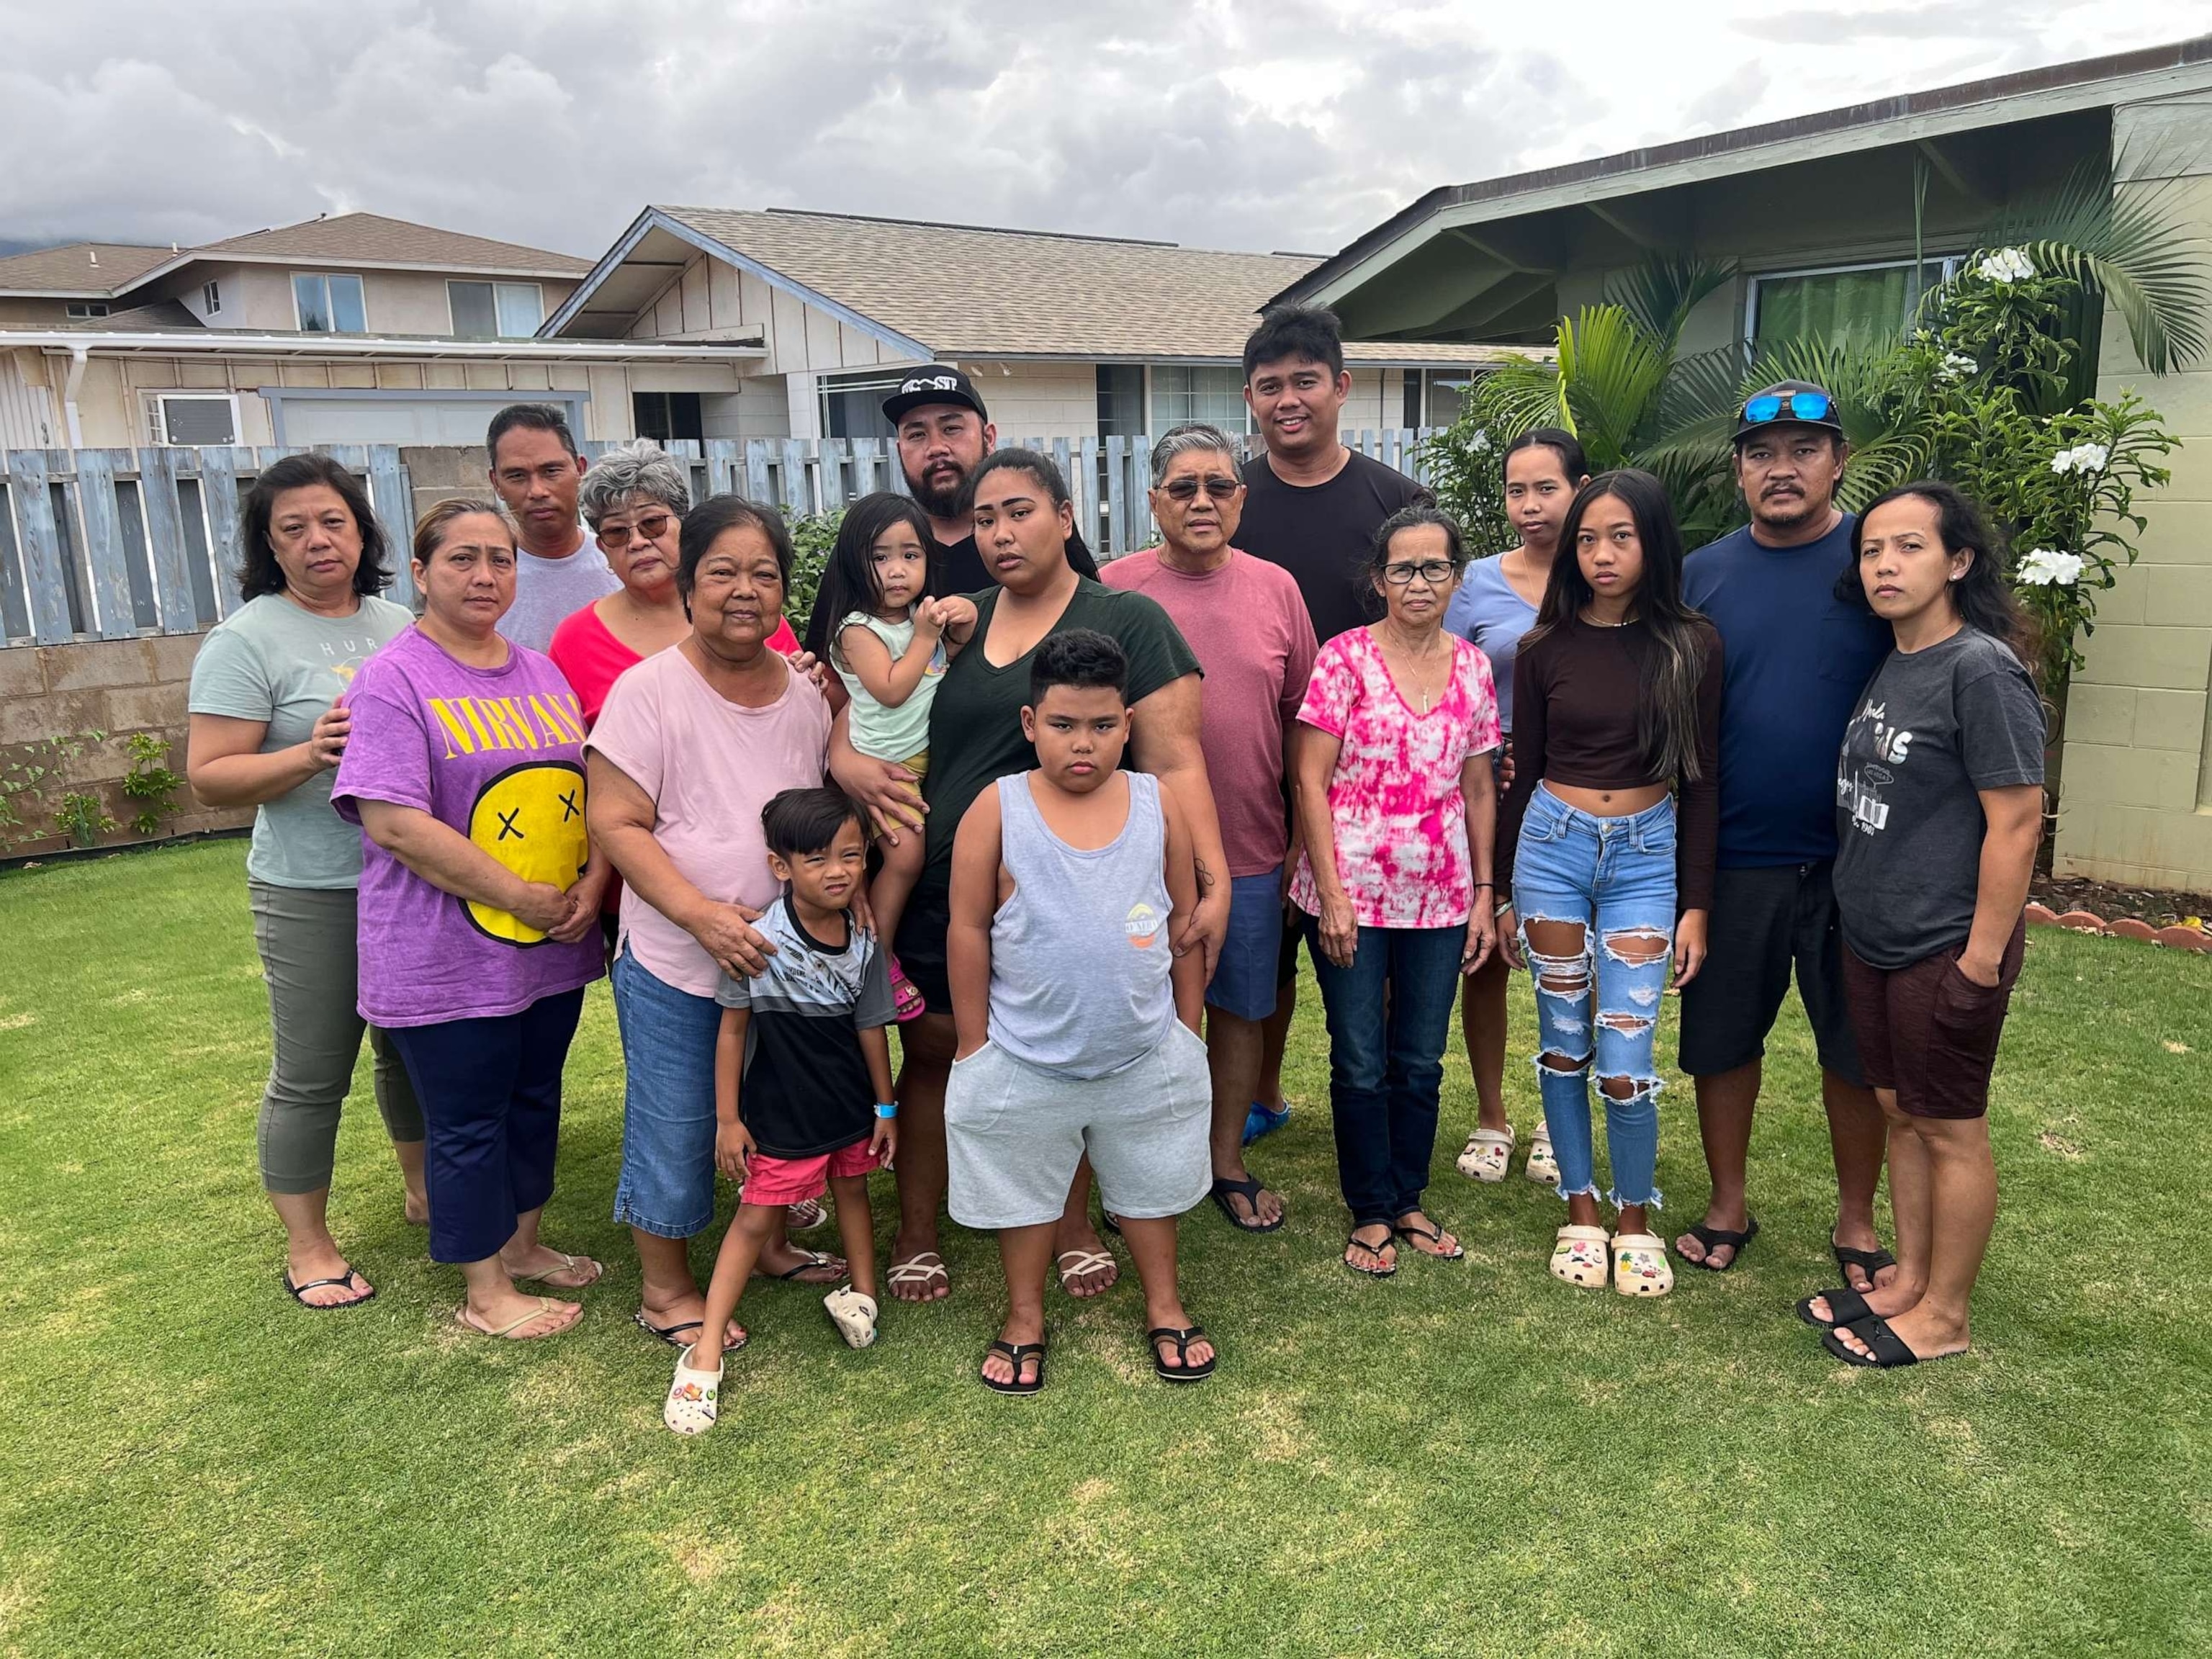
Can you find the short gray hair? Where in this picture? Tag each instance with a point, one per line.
(1188, 440)
(638, 468)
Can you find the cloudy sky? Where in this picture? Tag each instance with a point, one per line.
(1281, 124)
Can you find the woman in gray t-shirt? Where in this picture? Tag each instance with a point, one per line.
(1939, 802)
(267, 729)
(1495, 605)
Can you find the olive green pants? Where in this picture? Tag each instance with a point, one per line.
(306, 935)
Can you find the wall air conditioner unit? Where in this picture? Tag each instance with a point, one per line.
(188, 419)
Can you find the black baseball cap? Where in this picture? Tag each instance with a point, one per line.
(933, 383)
(1788, 403)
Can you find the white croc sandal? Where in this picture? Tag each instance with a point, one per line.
(854, 1315)
(689, 1407)
(1640, 1266)
(1488, 1154)
(1579, 1257)
(1542, 1168)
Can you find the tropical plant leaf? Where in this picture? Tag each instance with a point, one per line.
(1519, 393)
(1612, 368)
(2131, 246)
(1661, 292)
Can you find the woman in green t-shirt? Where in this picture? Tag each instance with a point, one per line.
(267, 730)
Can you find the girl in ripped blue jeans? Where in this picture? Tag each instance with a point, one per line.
(1609, 826)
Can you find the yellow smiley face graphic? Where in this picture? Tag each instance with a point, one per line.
(531, 818)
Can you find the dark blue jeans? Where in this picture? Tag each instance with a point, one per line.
(1389, 1016)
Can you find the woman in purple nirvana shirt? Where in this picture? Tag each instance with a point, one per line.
(479, 908)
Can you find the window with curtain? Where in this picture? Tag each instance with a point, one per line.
(1871, 305)
(495, 310)
(1183, 395)
(329, 303)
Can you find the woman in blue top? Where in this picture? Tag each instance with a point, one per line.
(1494, 607)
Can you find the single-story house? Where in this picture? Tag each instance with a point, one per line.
(1069, 336)
(351, 329)
(1818, 213)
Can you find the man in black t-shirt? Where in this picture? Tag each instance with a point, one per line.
(1311, 505)
(943, 434)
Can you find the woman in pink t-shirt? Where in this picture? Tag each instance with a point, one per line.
(479, 902)
(691, 744)
(1397, 807)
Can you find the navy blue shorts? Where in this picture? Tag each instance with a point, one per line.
(1248, 980)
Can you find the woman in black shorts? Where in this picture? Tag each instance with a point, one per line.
(1939, 802)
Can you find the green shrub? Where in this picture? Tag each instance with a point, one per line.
(150, 782)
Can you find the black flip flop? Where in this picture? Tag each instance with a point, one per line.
(1353, 1238)
(1869, 1262)
(1434, 1237)
(814, 1259)
(1713, 1238)
(1846, 1304)
(1250, 1190)
(1889, 1351)
(1016, 1353)
(1185, 1372)
(298, 1292)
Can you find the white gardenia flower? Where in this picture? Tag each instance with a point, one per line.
(2006, 265)
(1480, 443)
(1957, 366)
(2082, 458)
(2044, 568)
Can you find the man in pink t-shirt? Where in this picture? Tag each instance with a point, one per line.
(1255, 641)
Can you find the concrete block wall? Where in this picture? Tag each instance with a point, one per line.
(115, 686)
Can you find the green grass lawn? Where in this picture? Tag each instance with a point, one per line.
(1469, 1459)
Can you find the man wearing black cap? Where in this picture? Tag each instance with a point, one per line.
(944, 432)
(1795, 657)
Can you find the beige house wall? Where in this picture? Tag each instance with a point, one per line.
(2137, 802)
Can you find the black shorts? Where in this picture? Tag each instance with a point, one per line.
(1765, 923)
(1928, 1031)
(1294, 934)
(919, 946)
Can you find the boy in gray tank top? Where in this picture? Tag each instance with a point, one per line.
(1078, 1023)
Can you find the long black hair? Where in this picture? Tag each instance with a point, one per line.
(1667, 702)
(1050, 479)
(259, 573)
(1982, 597)
(849, 582)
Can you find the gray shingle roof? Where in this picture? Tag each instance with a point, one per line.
(373, 238)
(71, 269)
(971, 291)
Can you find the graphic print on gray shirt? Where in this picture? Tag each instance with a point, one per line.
(1933, 727)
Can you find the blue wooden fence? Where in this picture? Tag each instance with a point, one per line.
(110, 543)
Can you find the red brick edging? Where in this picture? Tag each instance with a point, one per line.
(2084, 922)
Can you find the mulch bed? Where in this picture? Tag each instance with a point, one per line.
(2112, 901)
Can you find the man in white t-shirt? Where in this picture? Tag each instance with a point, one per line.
(537, 470)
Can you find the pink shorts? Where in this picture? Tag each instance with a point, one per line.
(792, 1180)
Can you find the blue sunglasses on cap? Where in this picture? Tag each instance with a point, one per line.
(1800, 405)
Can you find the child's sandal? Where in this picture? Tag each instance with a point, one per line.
(1489, 1152)
(908, 1003)
(1578, 1257)
(853, 1314)
(1640, 1266)
(689, 1407)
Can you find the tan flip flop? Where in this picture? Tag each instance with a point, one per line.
(1578, 1257)
(569, 1264)
(546, 1305)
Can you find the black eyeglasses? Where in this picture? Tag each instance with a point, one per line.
(1435, 572)
(1217, 487)
(650, 528)
(1802, 405)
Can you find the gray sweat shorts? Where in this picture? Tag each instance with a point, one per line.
(1014, 1133)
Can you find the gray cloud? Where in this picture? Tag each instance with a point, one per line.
(1292, 125)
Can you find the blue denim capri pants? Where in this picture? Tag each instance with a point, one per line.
(667, 1184)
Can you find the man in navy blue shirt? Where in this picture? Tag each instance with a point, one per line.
(1795, 657)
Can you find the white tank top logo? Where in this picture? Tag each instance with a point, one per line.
(1143, 926)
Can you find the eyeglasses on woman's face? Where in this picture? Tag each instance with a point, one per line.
(1435, 572)
(650, 528)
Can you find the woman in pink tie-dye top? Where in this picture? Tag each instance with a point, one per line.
(1396, 809)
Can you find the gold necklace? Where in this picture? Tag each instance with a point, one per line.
(1416, 666)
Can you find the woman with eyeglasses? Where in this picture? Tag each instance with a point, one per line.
(1609, 825)
(634, 498)
(1396, 805)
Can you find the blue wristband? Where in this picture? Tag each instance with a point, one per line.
(887, 1109)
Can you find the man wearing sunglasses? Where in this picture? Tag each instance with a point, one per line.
(1794, 659)
(1247, 622)
(536, 473)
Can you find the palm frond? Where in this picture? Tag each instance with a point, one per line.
(2131, 245)
(1612, 369)
(1661, 292)
(1519, 393)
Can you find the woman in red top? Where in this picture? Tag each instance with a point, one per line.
(634, 498)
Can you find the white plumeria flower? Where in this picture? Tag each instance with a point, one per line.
(2044, 568)
(2006, 265)
(2082, 458)
(1480, 442)
(1957, 366)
